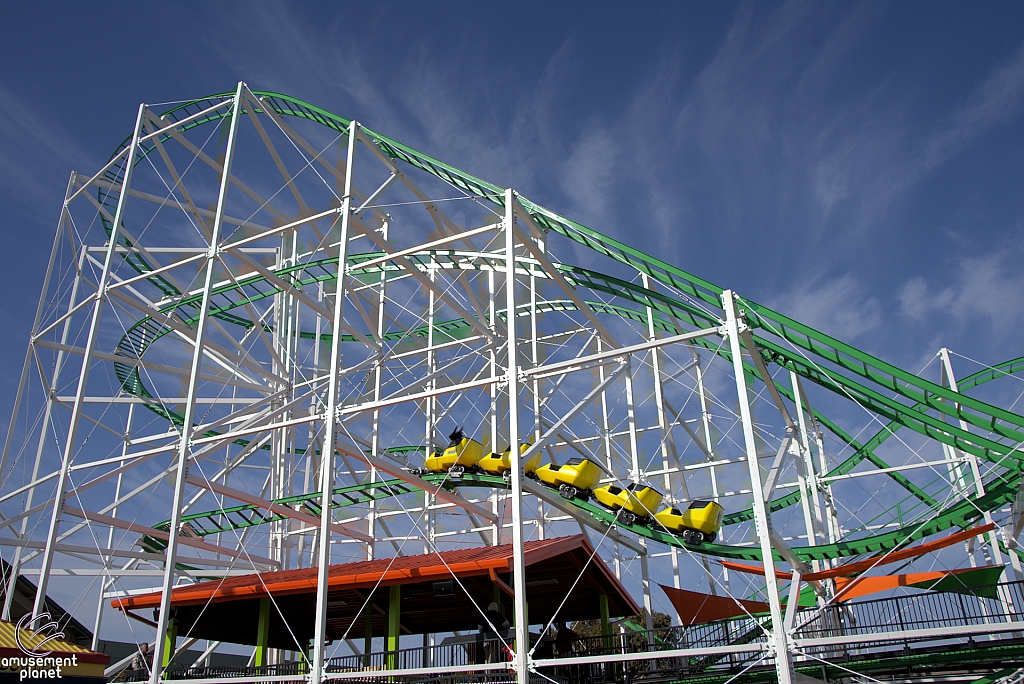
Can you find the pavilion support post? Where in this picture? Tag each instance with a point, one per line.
(368, 633)
(394, 620)
(331, 424)
(304, 656)
(170, 642)
(762, 522)
(263, 632)
(522, 651)
(606, 620)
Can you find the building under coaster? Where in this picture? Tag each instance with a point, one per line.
(298, 391)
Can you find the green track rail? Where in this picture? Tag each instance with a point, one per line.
(687, 302)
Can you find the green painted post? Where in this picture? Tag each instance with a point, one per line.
(394, 616)
(171, 642)
(368, 636)
(262, 632)
(306, 657)
(526, 611)
(606, 621)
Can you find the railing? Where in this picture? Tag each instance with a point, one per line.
(218, 672)
(926, 611)
(456, 652)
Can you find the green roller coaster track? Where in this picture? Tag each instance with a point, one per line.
(902, 398)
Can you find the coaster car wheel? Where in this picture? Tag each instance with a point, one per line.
(627, 518)
(567, 491)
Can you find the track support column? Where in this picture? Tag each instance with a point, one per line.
(762, 521)
(185, 442)
(522, 630)
(330, 424)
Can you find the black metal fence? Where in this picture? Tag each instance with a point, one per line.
(988, 606)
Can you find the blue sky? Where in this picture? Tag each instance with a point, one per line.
(857, 166)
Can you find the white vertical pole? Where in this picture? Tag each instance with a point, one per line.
(645, 578)
(762, 521)
(664, 430)
(806, 474)
(979, 486)
(606, 434)
(430, 407)
(108, 582)
(491, 442)
(311, 467)
(83, 378)
(535, 386)
(378, 375)
(184, 446)
(635, 476)
(330, 425)
(522, 630)
(634, 451)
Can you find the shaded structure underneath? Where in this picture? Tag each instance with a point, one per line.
(431, 593)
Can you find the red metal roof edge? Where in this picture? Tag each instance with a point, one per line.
(305, 579)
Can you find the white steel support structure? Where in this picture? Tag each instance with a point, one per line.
(261, 322)
(43, 432)
(97, 309)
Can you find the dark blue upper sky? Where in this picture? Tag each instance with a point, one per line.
(857, 166)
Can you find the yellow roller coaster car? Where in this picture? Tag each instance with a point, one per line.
(462, 453)
(636, 501)
(501, 464)
(578, 476)
(699, 523)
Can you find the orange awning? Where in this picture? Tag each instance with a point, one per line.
(695, 608)
(850, 588)
(867, 564)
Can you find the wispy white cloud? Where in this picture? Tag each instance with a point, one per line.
(590, 173)
(840, 307)
(36, 154)
(983, 294)
(998, 101)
